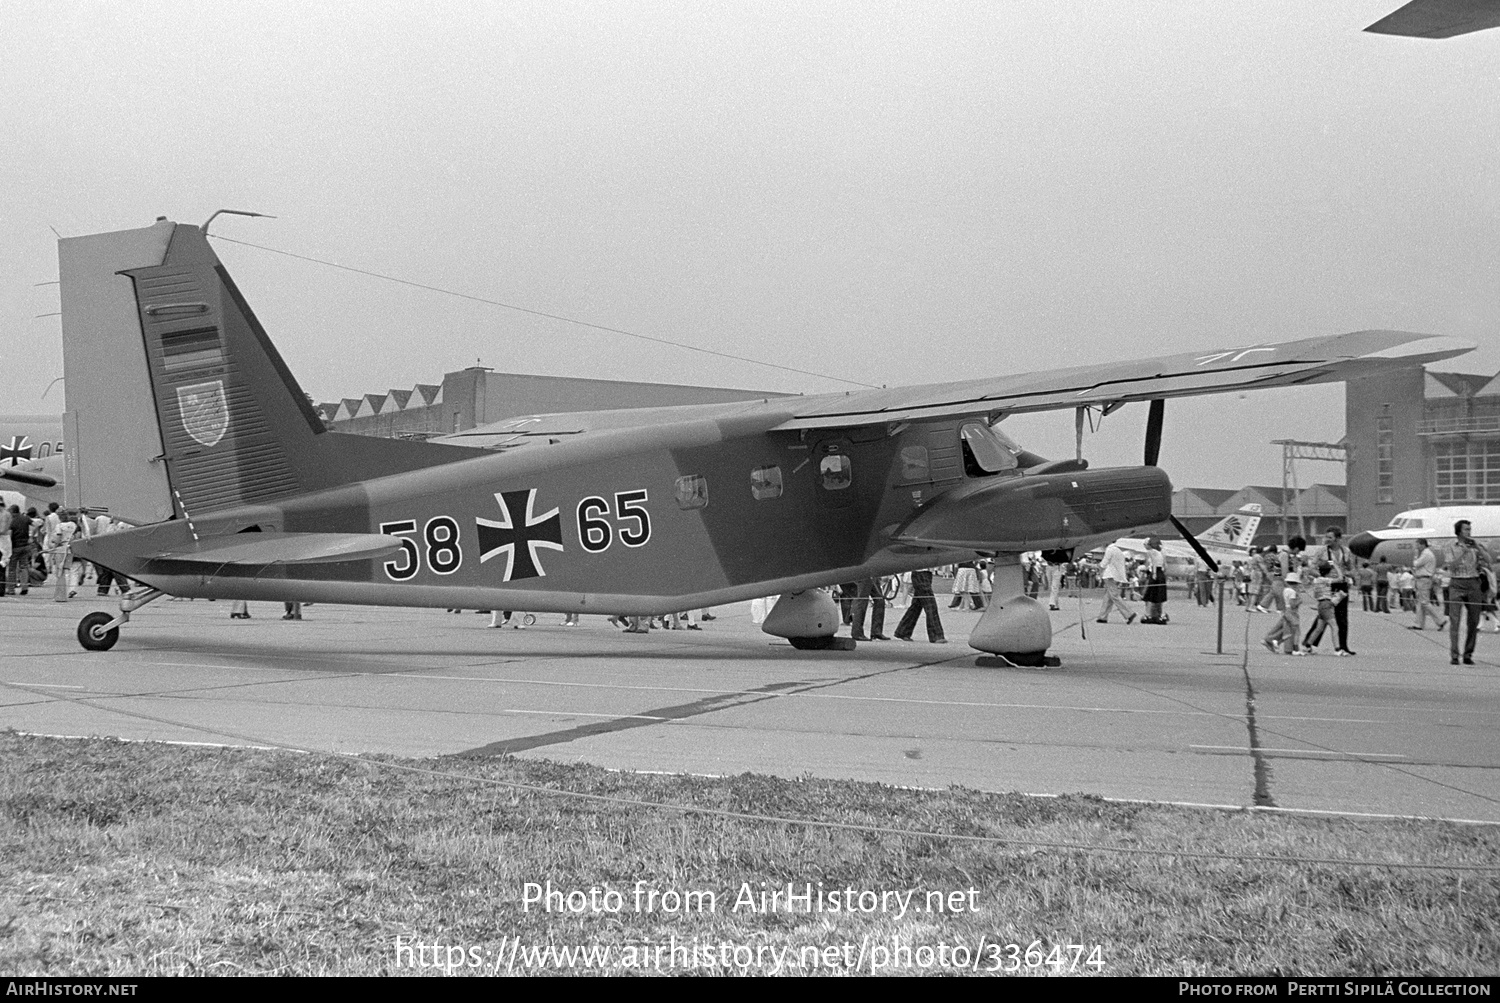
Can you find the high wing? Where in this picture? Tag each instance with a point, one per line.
(1252, 367)
(1439, 18)
(1328, 359)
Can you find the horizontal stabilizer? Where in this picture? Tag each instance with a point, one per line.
(27, 477)
(282, 548)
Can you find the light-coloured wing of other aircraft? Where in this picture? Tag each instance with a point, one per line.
(1227, 540)
(1439, 18)
(1396, 543)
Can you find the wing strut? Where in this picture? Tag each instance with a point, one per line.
(1153, 430)
(1192, 540)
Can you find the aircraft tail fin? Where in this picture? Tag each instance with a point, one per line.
(1236, 530)
(180, 403)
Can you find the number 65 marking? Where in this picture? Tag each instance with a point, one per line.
(595, 534)
(627, 506)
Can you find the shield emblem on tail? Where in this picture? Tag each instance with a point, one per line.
(204, 411)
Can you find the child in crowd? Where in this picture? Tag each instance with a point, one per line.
(1325, 597)
(1284, 634)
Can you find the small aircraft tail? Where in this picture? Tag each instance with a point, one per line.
(1236, 530)
(177, 402)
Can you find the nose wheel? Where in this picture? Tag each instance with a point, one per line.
(95, 632)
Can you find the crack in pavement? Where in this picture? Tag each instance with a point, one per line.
(677, 712)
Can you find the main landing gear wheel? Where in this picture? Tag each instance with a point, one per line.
(822, 643)
(93, 636)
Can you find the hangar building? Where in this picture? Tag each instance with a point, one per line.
(1419, 438)
(478, 396)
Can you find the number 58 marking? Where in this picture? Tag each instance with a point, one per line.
(444, 555)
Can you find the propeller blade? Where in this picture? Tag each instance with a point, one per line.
(1192, 540)
(1153, 430)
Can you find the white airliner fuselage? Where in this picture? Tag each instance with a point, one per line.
(1396, 543)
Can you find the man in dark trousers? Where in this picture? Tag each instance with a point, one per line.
(922, 601)
(1468, 566)
(1382, 586)
(869, 589)
(1335, 553)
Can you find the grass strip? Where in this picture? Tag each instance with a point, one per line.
(144, 859)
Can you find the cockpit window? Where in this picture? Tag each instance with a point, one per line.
(987, 451)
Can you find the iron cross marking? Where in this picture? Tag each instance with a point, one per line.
(518, 542)
(18, 450)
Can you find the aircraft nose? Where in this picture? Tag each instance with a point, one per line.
(1363, 545)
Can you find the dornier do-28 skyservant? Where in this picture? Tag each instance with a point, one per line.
(183, 420)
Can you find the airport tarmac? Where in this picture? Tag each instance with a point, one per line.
(1135, 712)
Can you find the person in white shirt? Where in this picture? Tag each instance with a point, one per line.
(1423, 570)
(1156, 582)
(1116, 579)
(60, 556)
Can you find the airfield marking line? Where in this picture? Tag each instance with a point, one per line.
(167, 741)
(575, 713)
(1304, 753)
(41, 686)
(983, 705)
(341, 664)
(189, 692)
(979, 704)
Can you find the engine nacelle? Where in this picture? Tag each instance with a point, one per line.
(1045, 512)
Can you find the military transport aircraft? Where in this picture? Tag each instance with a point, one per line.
(31, 458)
(184, 421)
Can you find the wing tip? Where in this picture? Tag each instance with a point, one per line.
(1424, 348)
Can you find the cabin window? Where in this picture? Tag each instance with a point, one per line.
(837, 471)
(986, 451)
(914, 464)
(765, 482)
(692, 491)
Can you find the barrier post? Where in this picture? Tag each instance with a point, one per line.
(1220, 648)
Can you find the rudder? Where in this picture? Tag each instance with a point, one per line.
(233, 426)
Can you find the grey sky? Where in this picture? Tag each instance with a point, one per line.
(890, 193)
